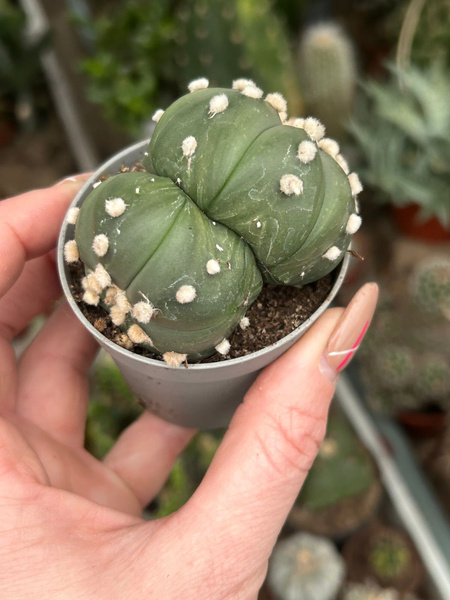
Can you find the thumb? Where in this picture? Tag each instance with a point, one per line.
(275, 434)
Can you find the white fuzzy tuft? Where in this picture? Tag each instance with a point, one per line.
(277, 101)
(158, 114)
(252, 92)
(111, 294)
(117, 316)
(355, 184)
(306, 151)
(217, 104)
(224, 347)
(185, 294)
(143, 311)
(138, 336)
(314, 128)
(115, 207)
(353, 224)
(72, 215)
(291, 185)
(213, 267)
(342, 163)
(241, 84)
(122, 301)
(174, 359)
(198, 84)
(244, 323)
(96, 184)
(100, 244)
(298, 123)
(91, 297)
(329, 146)
(189, 146)
(333, 253)
(71, 253)
(102, 276)
(91, 283)
(283, 116)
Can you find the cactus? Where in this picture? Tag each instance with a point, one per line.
(305, 567)
(433, 379)
(371, 591)
(389, 556)
(232, 196)
(393, 366)
(430, 286)
(328, 71)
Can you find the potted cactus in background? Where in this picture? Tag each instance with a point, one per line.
(371, 591)
(232, 195)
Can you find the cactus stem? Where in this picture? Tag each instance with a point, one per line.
(213, 267)
(224, 347)
(100, 244)
(342, 163)
(306, 151)
(355, 184)
(138, 336)
(329, 146)
(96, 184)
(117, 316)
(72, 215)
(291, 184)
(174, 359)
(244, 323)
(241, 84)
(185, 294)
(314, 128)
(252, 92)
(71, 254)
(158, 114)
(142, 311)
(198, 84)
(332, 253)
(353, 224)
(217, 105)
(277, 101)
(115, 207)
(91, 297)
(219, 248)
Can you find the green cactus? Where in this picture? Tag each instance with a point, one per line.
(433, 379)
(231, 196)
(389, 556)
(328, 71)
(343, 469)
(393, 366)
(306, 567)
(430, 286)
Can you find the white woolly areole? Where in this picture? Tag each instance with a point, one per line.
(198, 84)
(299, 123)
(217, 104)
(306, 151)
(72, 215)
(189, 146)
(115, 207)
(138, 336)
(122, 301)
(342, 163)
(174, 359)
(71, 253)
(117, 316)
(252, 91)
(329, 146)
(244, 323)
(224, 347)
(91, 283)
(111, 294)
(291, 184)
(333, 253)
(241, 84)
(355, 184)
(143, 311)
(185, 294)
(91, 297)
(100, 244)
(277, 101)
(102, 276)
(353, 224)
(314, 128)
(283, 116)
(158, 114)
(213, 266)
(96, 184)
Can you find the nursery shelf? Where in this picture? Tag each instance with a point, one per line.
(405, 484)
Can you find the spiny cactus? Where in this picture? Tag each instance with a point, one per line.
(233, 194)
(430, 286)
(328, 73)
(389, 556)
(393, 366)
(371, 591)
(306, 567)
(433, 379)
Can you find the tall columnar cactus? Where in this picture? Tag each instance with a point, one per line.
(233, 195)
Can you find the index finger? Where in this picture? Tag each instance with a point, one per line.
(29, 226)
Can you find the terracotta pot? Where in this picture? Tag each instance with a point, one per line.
(406, 219)
(423, 423)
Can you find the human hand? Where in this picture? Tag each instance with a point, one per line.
(70, 525)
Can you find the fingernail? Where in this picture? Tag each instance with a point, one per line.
(79, 178)
(349, 332)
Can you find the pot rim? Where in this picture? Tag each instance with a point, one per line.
(104, 341)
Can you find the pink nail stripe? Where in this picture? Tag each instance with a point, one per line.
(354, 347)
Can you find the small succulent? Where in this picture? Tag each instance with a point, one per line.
(389, 557)
(306, 567)
(371, 591)
(233, 194)
(430, 286)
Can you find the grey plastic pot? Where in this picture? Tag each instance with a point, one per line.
(202, 396)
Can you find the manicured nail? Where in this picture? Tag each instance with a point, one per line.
(350, 331)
